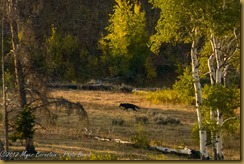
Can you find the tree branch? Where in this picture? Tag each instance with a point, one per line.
(231, 118)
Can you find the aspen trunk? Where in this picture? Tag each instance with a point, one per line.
(213, 114)
(198, 95)
(225, 74)
(218, 143)
(211, 69)
(219, 139)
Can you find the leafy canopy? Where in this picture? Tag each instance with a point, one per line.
(177, 21)
(125, 46)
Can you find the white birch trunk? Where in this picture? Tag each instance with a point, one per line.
(219, 75)
(213, 114)
(225, 75)
(198, 95)
(219, 140)
(211, 69)
(216, 45)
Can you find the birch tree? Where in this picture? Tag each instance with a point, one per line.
(223, 31)
(218, 22)
(180, 21)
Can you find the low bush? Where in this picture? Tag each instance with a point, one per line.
(142, 119)
(167, 96)
(140, 140)
(119, 122)
(164, 120)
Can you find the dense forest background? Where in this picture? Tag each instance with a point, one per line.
(62, 38)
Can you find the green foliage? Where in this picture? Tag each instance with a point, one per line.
(24, 125)
(182, 92)
(61, 50)
(195, 133)
(184, 86)
(161, 96)
(222, 16)
(167, 96)
(177, 19)
(125, 46)
(140, 140)
(67, 60)
(151, 71)
(233, 127)
(223, 98)
(9, 80)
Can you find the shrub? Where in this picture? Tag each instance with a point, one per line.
(166, 96)
(141, 119)
(225, 99)
(119, 122)
(164, 120)
(140, 140)
(160, 96)
(184, 87)
(182, 92)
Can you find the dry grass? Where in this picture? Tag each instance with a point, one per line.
(102, 107)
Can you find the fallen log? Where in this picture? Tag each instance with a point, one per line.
(123, 142)
(99, 138)
(190, 153)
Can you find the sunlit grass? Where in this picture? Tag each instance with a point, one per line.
(102, 108)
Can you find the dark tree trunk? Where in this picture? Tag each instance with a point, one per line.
(29, 147)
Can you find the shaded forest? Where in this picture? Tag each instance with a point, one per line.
(74, 56)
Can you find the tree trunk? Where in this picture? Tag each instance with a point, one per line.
(20, 84)
(19, 75)
(225, 74)
(216, 46)
(198, 95)
(4, 92)
(211, 69)
(213, 114)
(29, 146)
(1, 150)
(219, 142)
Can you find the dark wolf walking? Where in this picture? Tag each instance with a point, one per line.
(128, 105)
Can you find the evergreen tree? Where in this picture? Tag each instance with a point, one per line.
(24, 129)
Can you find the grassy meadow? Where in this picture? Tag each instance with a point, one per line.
(66, 138)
